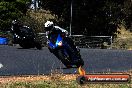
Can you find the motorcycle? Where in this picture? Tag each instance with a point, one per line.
(60, 46)
(26, 38)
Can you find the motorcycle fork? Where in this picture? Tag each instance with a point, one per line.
(66, 55)
(70, 51)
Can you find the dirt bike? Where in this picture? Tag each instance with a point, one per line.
(68, 55)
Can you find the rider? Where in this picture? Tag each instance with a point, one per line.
(16, 26)
(20, 29)
(50, 28)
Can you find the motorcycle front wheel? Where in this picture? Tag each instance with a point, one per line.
(27, 44)
(65, 59)
(24, 45)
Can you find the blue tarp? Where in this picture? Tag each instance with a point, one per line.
(3, 41)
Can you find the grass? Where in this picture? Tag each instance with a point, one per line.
(53, 81)
(60, 84)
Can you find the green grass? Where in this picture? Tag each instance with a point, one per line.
(61, 84)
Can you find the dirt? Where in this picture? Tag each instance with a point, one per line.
(31, 78)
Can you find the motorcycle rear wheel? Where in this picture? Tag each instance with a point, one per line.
(38, 45)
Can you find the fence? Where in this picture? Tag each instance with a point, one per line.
(83, 41)
(92, 41)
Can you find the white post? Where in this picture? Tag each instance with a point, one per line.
(111, 41)
(71, 18)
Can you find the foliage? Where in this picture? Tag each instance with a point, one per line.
(36, 19)
(89, 17)
(92, 17)
(60, 84)
(123, 38)
(10, 10)
(60, 8)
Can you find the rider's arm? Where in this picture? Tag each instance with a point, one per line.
(63, 30)
(47, 33)
(12, 30)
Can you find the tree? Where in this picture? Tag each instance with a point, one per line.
(97, 17)
(9, 10)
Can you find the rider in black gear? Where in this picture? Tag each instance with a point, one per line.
(51, 29)
(16, 26)
(24, 36)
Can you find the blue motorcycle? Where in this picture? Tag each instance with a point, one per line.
(62, 49)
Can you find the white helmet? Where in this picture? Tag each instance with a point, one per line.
(14, 21)
(48, 24)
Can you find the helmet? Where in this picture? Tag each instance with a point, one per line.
(14, 22)
(48, 25)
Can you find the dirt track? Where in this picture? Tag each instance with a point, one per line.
(17, 61)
